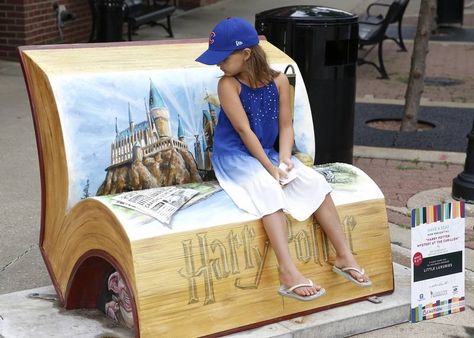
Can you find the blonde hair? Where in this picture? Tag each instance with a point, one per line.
(258, 68)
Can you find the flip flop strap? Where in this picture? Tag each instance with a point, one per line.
(294, 287)
(361, 272)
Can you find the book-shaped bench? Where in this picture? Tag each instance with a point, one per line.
(112, 120)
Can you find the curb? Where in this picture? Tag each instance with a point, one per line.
(409, 154)
(425, 102)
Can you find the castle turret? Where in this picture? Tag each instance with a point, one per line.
(212, 111)
(130, 120)
(180, 130)
(208, 127)
(159, 112)
(198, 152)
(206, 117)
(212, 102)
(148, 116)
(137, 152)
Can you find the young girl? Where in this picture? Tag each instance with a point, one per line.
(255, 111)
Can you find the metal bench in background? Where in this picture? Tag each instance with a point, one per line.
(143, 12)
(108, 17)
(373, 31)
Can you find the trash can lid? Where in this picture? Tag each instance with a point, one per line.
(308, 13)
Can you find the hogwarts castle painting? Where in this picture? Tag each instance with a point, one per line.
(147, 154)
(146, 129)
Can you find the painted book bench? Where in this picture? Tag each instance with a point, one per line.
(133, 123)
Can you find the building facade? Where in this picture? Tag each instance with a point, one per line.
(35, 22)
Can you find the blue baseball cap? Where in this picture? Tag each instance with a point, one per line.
(229, 35)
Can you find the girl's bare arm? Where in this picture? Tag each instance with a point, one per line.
(285, 120)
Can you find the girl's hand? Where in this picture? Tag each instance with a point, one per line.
(288, 163)
(278, 174)
(282, 174)
(275, 172)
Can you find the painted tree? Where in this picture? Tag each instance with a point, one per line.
(418, 65)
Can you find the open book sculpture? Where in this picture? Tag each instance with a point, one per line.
(180, 259)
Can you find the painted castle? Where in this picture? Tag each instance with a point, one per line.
(154, 134)
(147, 154)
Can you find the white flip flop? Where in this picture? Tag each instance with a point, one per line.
(344, 272)
(290, 292)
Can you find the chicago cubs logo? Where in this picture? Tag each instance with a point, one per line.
(211, 37)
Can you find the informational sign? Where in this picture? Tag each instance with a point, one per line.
(437, 264)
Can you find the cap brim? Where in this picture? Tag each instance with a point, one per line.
(212, 57)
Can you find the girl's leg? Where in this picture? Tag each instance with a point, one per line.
(277, 232)
(328, 218)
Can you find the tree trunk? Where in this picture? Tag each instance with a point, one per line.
(418, 64)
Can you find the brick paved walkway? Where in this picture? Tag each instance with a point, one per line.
(400, 180)
(451, 60)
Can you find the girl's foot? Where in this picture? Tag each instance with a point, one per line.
(349, 261)
(289, 279)
(289, 292)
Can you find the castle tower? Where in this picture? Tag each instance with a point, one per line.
(148, 116)
(137, 152)
(198, 152)
(212, 102)
(180, 130)
(208, 127)
(159, 112)
(130, 121)
(212, 111)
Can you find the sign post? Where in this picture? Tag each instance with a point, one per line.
(437, 264)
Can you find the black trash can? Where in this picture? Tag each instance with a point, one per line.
(450, 11)
(110, 20)
(323, 42)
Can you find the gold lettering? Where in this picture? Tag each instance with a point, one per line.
(261, 263)
(221, 259)
(219, 265)
(302, 247)
(315, 239)
(248, 236)
(234, 243)
(326, 248)
(189, 263)
(349, 223)
(204, 271)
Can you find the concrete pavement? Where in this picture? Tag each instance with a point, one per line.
(25, 316)
(22, 269)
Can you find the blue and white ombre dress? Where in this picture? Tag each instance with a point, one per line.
(243, 177)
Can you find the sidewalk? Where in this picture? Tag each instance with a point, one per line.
(408, 179)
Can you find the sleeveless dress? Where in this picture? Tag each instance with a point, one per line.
(243, 177)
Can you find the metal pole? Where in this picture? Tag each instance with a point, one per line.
(463, 184)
